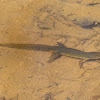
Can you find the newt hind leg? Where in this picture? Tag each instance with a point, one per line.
(84, 61)
(81, 62)
(53, 57)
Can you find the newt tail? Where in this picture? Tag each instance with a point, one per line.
(58, 51)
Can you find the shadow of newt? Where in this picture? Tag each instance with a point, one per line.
(57, 51)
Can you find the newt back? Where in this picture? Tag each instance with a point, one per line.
(58, 51)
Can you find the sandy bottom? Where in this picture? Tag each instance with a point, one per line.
(26, 75)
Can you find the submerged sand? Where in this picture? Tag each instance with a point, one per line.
(26, 75)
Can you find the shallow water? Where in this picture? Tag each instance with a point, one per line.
(26, 75)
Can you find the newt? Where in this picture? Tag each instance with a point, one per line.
(57, 51)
